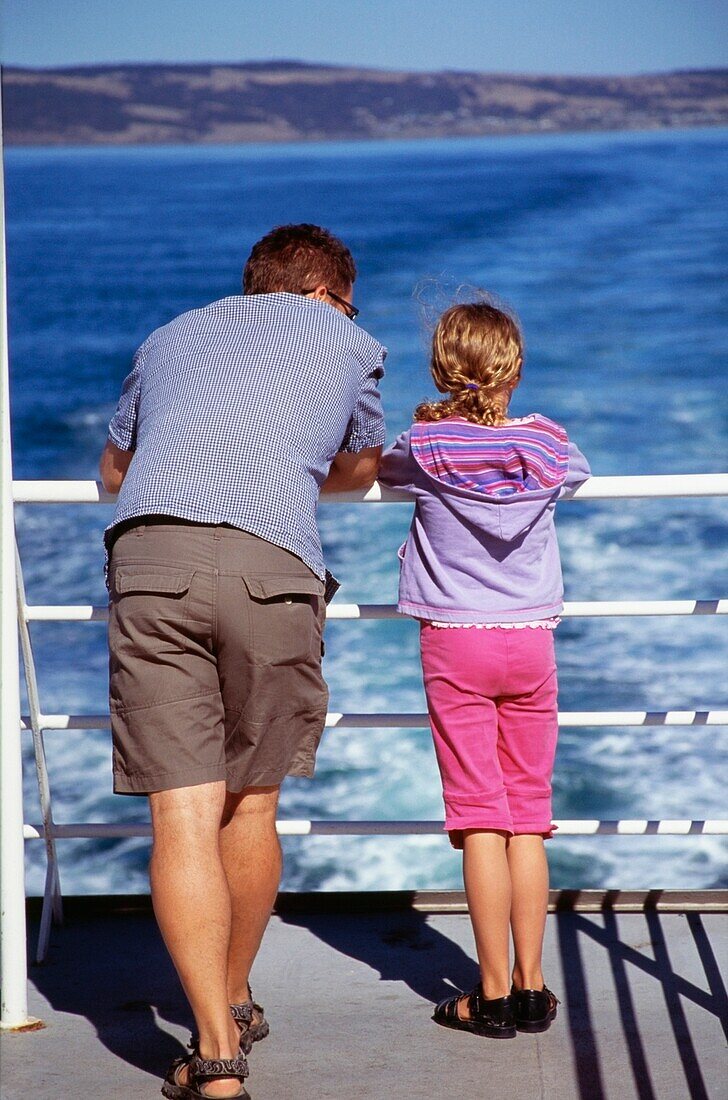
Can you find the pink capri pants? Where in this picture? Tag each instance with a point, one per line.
(491, 696)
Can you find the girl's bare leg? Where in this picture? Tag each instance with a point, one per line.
(529, 876)
(488, 890)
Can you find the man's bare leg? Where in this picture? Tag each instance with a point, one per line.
(530, 884)
(192, 905)
(251, 856)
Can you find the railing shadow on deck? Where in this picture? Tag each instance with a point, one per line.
(572, 928)
(406, 947)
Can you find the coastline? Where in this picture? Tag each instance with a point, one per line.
(372, 147)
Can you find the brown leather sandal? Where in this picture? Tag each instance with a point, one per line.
(201, 1071)
(250, 1018)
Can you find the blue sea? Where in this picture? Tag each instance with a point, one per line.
(611, 248)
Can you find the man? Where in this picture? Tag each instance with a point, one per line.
(233, 420)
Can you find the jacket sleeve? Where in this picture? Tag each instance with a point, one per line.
(397, 468)
(579, 471)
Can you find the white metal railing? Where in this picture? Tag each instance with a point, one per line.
(13, 962)
(306, 827)
(381, 720)
(572, 610)
(596, 488)
(36, 722)
(52, 903)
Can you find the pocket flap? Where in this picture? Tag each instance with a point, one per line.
(275, 585)
(168, 584)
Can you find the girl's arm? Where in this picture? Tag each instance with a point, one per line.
(579, 470)
(397, 468)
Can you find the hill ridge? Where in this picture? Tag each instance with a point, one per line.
(285, 100)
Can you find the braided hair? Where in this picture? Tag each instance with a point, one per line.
(477, 353)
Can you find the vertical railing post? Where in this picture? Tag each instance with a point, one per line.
(13, 944)
(52, 901)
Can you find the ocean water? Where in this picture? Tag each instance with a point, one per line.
(611, 248)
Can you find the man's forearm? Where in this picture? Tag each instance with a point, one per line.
(353, 471)
(113, 466)
(338, 482)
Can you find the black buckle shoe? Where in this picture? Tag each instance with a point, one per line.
(534, 1009)
(493, 1019)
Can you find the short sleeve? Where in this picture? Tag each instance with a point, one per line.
(366, 427)
(123, 425)
(398, 468)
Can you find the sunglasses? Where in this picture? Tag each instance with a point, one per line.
(349, 308)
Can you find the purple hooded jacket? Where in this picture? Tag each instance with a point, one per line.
(482, 545)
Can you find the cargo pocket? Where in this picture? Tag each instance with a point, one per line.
(285, 619)
(149, 592)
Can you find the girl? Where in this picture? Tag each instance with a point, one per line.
(480, 570)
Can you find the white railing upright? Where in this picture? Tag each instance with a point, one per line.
(13, 951)
(52, 897)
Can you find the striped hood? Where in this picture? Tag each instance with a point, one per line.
(482, 546)
(517, 468)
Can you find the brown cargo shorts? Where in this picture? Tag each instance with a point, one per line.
(215, 644)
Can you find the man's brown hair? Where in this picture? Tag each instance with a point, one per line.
(295, 258)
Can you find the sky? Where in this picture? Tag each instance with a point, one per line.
(527, 36)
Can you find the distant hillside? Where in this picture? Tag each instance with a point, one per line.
(291, 101)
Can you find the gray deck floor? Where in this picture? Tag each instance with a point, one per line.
(349, 999)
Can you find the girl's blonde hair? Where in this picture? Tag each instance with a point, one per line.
(477, 352)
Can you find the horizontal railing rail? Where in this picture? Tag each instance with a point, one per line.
(596, 488)
(584, 609)
(304, 827)
(404, 720)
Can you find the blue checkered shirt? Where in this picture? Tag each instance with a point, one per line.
(235, 412)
